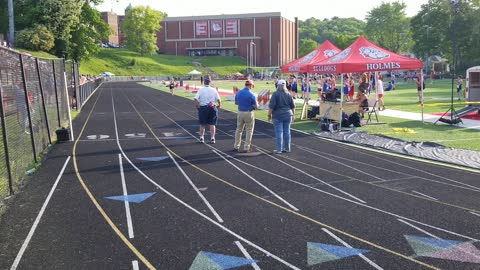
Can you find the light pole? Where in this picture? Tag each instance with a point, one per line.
(11, 25)
(253, 54)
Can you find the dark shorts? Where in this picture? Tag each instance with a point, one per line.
(459, 88)
(207, 115)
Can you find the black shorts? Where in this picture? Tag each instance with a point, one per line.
(459, 88)
(207, 115)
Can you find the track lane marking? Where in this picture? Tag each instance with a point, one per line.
(95, 202)
(376, 266)
(37, 219)
(370, 150)
(207, 203)
(246, 254)
(314, 178)
(425, 195)
(418, 229)
(272, 203)
(258, 182)
(127, 204)
(269, 254)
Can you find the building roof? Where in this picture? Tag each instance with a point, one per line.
(223, 16)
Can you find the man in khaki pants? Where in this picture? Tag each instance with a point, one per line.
(247, 103)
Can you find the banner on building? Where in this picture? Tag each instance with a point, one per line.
(231, 27)
(216, 28)
(201, 28)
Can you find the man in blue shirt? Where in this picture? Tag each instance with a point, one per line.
(247, 103)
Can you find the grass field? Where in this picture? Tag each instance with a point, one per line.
(123, 62)
(403, 98)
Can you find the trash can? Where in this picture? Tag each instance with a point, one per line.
(63, 135)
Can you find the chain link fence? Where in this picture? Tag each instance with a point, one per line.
(35, 94)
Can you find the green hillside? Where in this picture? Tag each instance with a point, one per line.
(125, 62)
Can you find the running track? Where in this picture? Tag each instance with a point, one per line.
(137, 191)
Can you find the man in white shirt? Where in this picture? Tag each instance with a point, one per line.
(207, 101)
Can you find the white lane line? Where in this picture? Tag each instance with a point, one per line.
(343, 198)
(225, 229)
(217, 216)
(424, 195)
(127, 204)
(474, 213)
(376, 266)
(37, 220)
(340, 163)
(313, 177)
(247, 255)
(135, 265)
(354, 202)
(258, 182)
(419, 229)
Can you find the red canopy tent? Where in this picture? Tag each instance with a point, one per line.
(364, 56)
(324, 51)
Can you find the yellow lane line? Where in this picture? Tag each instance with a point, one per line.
(95, 202)
(279, 206)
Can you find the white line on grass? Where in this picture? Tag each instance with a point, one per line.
(196, 189)
(246, 254)
(127, 204)
(258, 182)
(37, 220)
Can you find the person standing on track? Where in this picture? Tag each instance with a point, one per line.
(247, 103)
(282, 111)
(207, 101)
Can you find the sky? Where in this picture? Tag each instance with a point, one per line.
(303, 9)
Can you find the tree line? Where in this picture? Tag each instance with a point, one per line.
(438, 28)
(75, 28)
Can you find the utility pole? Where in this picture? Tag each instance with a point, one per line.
(11, 26)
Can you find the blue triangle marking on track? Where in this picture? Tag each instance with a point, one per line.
(435, 242)
(340, 251)
(153, 158)
(134, 198)
(227, 262)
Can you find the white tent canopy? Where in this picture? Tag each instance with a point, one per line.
(194, 72)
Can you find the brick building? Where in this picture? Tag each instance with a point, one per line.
(112, 19)
(264, 39)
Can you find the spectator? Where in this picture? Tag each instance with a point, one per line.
(459, 86)
(282, 112)
(207, 101)
(247, 103)
(379, 90)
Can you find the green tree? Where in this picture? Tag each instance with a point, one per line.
(87, 34)
(307, 45)
(389, 27)
(447, 30)
(38, 38)
(341, 29)
(140, 28)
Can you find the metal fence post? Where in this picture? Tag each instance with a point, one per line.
(75, 85)
(43, 100)
(56, 94)
(72, 138)
(5, 142)
(28, 107)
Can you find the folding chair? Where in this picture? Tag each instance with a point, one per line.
(372, 109)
